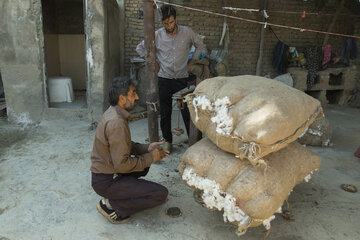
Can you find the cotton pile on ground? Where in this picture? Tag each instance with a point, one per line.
(250, 122)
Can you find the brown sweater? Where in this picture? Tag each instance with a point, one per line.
(113, 150)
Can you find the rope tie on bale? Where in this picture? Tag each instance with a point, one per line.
(251, 152)
(152, 105)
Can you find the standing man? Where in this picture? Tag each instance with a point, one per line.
(117, 162)
(173, 44)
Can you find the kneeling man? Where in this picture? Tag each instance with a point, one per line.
(117, 162)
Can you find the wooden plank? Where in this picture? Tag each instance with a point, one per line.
(183, 92)
(194, 134)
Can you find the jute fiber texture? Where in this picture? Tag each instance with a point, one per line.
(251, 116)
(258, 193)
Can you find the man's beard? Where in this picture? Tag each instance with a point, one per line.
(172, 30)
(129, 106)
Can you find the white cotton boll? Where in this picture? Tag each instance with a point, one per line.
(209, 200)
(308, 177)
(301, 135)
(222, 101)
(326, 143)
(224, 123)
(266, 222)
(314, 132)
(203, 102)
(213, 197)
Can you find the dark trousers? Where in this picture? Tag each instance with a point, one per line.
(167, 87)
(127, 193)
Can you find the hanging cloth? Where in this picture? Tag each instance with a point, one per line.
(280, 58)
(312, 64)
(327, 56)
(349, 50)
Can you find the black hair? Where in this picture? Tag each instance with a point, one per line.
(119, 86)
(167, 11)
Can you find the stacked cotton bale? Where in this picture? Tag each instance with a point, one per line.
(250, 163)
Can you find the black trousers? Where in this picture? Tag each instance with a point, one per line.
(127, 193)
(167, 87)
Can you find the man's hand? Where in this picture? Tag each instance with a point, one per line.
(158, 154)
(154, 145)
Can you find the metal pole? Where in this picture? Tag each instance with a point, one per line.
(152, 85)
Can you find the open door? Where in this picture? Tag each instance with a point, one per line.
(65, 55)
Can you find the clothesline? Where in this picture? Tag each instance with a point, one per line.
(258, 22)
(287, 12)
(241, 9)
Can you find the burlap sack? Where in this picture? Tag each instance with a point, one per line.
(318, 134)
(222, 68)
(201, 69)
(247, 195)
(251, 116)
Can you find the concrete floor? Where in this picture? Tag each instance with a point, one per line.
(78, 103)
(45, 190)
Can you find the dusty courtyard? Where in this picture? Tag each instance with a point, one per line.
(45, 190)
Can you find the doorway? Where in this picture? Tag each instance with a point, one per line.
(65, 55)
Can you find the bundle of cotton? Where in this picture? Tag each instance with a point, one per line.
(248, 196)
(251, 116)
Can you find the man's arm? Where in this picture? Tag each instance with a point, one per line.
(138, 148)
(140, 49)
(199, 46)
(120, 148)
(197, 42)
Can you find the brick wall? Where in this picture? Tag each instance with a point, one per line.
(244, 36)
(356, 62)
